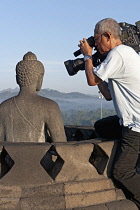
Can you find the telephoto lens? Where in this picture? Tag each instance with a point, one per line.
(73, 66)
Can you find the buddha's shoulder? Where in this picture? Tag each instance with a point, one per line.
(48, 101)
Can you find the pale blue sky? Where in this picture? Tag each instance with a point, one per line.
(52, 29)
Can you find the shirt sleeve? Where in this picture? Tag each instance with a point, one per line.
(111, 67)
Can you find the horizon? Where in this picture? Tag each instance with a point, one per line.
(17, 88)
(53, 34)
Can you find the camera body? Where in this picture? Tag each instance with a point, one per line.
(91, 43)
(130, 35)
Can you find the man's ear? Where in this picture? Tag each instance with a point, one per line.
(107, 35)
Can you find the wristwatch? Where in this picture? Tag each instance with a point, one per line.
(86, 57)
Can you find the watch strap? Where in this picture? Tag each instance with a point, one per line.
(86, 57)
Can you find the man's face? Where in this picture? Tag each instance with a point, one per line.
(102, 42)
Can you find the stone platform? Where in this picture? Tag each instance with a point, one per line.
(75, 176)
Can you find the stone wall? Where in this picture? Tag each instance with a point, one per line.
(72, 175)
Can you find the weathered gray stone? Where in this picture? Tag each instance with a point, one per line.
(29, 117)
(43, 190)
(95, 207)
(9, 204)
(43, 203)
(109, 148)
(88, 186)
(9, 197)
(120, 195)
(72, 183)
(27, 169)
(123, 205)
(116, 205)
(10, 191)
(89, 199)
(43, 197)
(76, 162)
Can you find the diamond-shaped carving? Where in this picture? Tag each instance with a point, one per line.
(6, 163)
(98, 159)
(52, 162)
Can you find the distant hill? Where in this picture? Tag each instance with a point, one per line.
(49, 93)
(5, 94)
(66, 101)
(56, 94)
(10, 90)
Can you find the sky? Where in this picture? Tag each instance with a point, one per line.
(52, 29)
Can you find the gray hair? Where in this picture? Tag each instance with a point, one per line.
(108, 25)
(28, 70)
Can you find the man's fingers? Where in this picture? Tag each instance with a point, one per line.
(84, 40)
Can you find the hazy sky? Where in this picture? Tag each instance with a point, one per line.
(52, 29)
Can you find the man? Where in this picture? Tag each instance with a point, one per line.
(29, 117)
(122, 69)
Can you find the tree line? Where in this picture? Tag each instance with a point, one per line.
(85, 117)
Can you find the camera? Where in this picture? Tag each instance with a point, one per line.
(91, 43)
(73, 66)
(130, 35)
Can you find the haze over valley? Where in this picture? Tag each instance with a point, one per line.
(77, 108)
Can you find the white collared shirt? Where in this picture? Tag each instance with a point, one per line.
(122, 69)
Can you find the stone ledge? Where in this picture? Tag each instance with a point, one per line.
(115, 205)
(77, 183)
(58, 196)
(27, 168)
(88, 186)
(88, 199)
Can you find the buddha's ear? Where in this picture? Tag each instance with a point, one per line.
(17, 79)
(39, 82)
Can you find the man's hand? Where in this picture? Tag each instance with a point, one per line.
(85, 48)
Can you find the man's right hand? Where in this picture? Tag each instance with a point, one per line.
(85, 48)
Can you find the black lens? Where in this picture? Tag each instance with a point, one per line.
(73, 66)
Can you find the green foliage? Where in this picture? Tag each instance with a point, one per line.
(84, 117)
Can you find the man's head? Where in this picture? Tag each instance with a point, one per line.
(107, 35)
(29, 71)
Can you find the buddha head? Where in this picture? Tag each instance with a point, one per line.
(29, 71)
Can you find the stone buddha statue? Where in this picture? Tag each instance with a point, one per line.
(29, 117)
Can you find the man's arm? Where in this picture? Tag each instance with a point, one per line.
(92, 78)
(103, 87)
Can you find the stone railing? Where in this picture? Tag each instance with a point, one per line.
(72, 175)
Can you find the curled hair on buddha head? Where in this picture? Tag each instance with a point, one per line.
(28, 70)
(108, 25)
